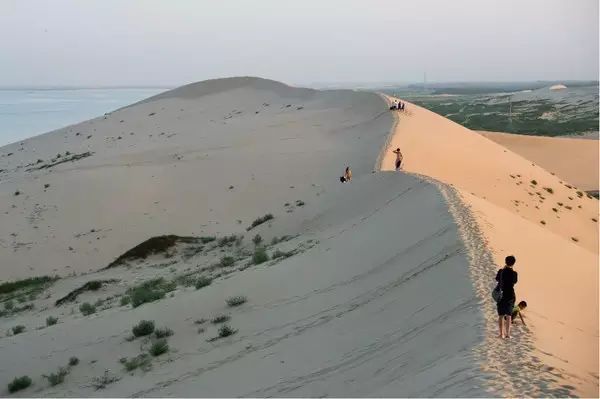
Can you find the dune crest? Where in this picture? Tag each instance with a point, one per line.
(521, 209)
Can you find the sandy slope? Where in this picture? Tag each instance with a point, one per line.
(557, 260)
(375, 299)
(572, 159)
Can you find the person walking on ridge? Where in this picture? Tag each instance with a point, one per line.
(506, 278)
(399, 158)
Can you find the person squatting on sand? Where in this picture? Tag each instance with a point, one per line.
(399, 158)
(347, 175)
(506, 278)
(518, 311)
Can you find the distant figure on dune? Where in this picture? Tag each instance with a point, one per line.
(506, 278)
(347, 175)
(394, 105)
(399, 158)
(401, 106)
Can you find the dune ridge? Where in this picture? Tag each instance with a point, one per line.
(559, 255)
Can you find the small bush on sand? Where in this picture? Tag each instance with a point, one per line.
(206, 240)
(125, 300)
(19, 384)
(58, 377)
(236, 300)
(227, 241)
(87, 309)
(143, 328)
(202, 282)
(104, 380)
(260, 256)
(226, 261)
(73, 361)
(555, 210)
(533, 182)
(18, 329)
(159, 347)
(32, 283)
(549, 190)
(579, 194)
(9, 305)
(142, 361)
(50, 320)
(222, 318)
(542, 221)
(226, 331)
(300, 203)
(257, 239)
(574, 239)
(151, 290)
(163, 332)
(94, 285)
(594, 220)
(17, 192)
(260, 221)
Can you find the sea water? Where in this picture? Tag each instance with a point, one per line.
(27, 113)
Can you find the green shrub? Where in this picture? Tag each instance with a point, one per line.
(57, 378)
(19, 383)
(94, 285)
(18, 329)
(260, 221)
(50, 320)
(203, 282)
(236, 300)
(534, 182)
(257, 239)
(87, 309)
(227, 261)
(142, 361)
(163, 332)
(73, 361)
(144, 327)
(159, 347)
(125, 300)
(222, 318)
(206, 240)
(260, 256)
(150, 291)
(226, 331)
(300, 203)
(227, 241)
(33, 282)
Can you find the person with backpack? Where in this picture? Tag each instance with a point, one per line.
(504, 294)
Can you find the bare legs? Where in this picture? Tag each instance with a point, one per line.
(504, 324)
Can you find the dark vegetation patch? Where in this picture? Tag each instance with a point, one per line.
(260, 256)
(260, 221)
(93, 285)
(159, 347)
(58, 377)
(227, 261)
(151, 246)
(142, 361)
(19, 384)
(50, 321)
(549, 190)
(202, 282)
(29, 284)
(222, 318)
(66, 158)
(236, 300)
(163, 332)
(150, 291)
(282, 254)
(18, 329)
(87, 309)
(143, 328)
(228, 241)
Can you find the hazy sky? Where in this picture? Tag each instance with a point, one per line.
(170, 42)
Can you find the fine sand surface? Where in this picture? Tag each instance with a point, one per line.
(524, 210)
(377, 288)
(572, 159)
(371, 294)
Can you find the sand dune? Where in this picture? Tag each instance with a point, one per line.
(523, 210)
(379, 287)
(573, 160)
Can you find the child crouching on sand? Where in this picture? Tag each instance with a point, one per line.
(518, 311)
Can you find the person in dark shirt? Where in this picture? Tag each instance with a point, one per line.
(507, 278)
